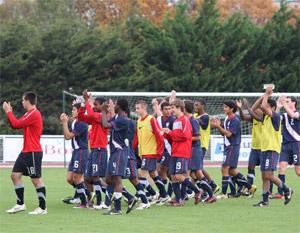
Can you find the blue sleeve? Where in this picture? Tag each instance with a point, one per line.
(234, 126)
(195, 127)
(120, 124)
(276, 120)
(204, 121)
(80, 128)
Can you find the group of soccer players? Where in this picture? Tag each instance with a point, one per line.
(165, 149)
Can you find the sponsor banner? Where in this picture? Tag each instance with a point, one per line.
(217, 148)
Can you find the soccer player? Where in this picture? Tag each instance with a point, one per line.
(270, 149)
(196, 161)
(150, 144)
(204, 122)
(232, 140)
(119, 149)
(29, 161)
(181, 138)
(290, 149)
(97, 159)
(79, 138)
(256, 118)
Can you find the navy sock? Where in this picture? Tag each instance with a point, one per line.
(140, 193)
(170, 189)
(266, 196)
(41, 192)
(98, 190)
(284, 188)
(282, 178)
(176, 188)
(225, 182)
(231, 183)
(80, 189)
(108, 195)
(19, 189)
(160, 185)
(242, 181)
(271, 187)
(117, 200)
(206, 187)
(103, 189)
(189, 184)
(148, 187)
(127, 194)
(183, 191)
(212, 184)
(251, 176)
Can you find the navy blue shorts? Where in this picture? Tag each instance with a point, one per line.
(254, 158)
(131, 170)
(290, 153)
(178, 166)
(29, 164)
(78, 161)
(149, 164)
(96, 163)
(117, 163)
(231, 156)
(165, 159)
(196, 161)
(269, 160)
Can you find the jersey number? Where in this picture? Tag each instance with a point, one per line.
(95, 168)
(76, 164)
(31, 170)
(178, 165)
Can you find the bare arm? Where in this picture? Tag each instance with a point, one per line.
(257, 114)
(243, 116)
(67, 134)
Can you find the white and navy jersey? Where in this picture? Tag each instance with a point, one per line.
(195, 131)
(290, 129)
(233, 125)
(166, 123)
(80, 129)
(119, 133)
(131, 132)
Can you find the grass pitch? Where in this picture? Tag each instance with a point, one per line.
(231, 215)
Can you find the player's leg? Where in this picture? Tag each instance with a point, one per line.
(296, 157)
(80, 189)
(157, 180)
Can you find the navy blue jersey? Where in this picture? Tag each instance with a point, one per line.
(195, 131)
(119, 133)
(234, 126)
(131, 131)
(290, 129)
(204, 121)
(80, 129)
(166, 123)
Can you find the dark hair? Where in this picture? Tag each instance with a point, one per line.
(123, 104)
(77, 105)
(142, 102)
(100, 100)
(164, 104)
(294, 100)
(189, 106)
(231, 104)
(201, 101)
(178, 104)
(31, 97)
(272, 102)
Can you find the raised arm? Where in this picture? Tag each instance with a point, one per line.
(264, 105)
(243, 116)
(290, 112)
(257, 114)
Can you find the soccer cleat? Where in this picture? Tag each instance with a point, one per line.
(163, 200)
(17, 208)
(288, 196)
(80, 206)
(97, 207)
(261, 204)
(176, 203)
(131, 204)
(67, 200)
(191, 195)
(211, 200)
(38, 211)
(204, 197)
(74, 201)
(222, 196)
(153, 199)
(105, 207)
(198, 197)
(252, 190)
(215, 189)
(143, 206)
(113, 212)
(277, 196)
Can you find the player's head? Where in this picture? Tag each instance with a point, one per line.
(98, 102)
(141, 107)
(121, 105)
(75, 108)
(188, 106)
(29, 99)
(165, 108)
(229, 107)
(177, 107)
(199, 105)
(272, 104)
(292, 102)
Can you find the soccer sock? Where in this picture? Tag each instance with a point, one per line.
(118, 197)
(242, 181)
(87, 192)
(206, 187)
(189, 184)
(183, 191)
(170, 189)
(161, 187)
(231, 183)
(140, 193)
(284, 188)
(282, 178)
(146, 184)
(126, 194)
(103, 189)
(265, 196)
(176, 188)
(98, 190)
(251, 176)
(271, 187)
(212, 184)
(81, 193)
(41, 192)
(225, 182)
(108, 194)
(19, 189)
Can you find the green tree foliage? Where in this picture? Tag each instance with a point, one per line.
(46, 47)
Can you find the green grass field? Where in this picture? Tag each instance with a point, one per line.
(231, 215)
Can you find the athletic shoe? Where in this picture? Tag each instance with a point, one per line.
(143, 206)
(222, 196)
(153, 199)
(204, 197)
(97, 207)
(131, 204)
(261, 204)
(277, 196)
(67, 200)
(38, 211)
(113, 212)
(288, 196)
(252, 190)
(211, 200)
(17, 208)
(80, 206)
(176, 203)
(190, 195)
(198, 196)
(163, 200)
(90, 204)
(75, 201)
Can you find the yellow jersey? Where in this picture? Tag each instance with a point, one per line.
(204, 133)
(256, 134)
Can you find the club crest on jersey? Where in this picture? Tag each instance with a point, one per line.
(177, 125)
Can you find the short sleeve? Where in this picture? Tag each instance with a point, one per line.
(234, 126)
